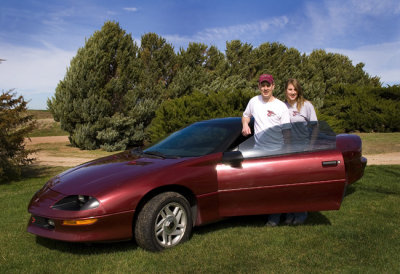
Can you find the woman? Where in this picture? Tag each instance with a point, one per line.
(302, 113)
(302, 117)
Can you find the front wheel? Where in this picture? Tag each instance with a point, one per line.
(164, 222)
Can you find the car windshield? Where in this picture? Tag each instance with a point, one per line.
(289, 138)
(198, 139)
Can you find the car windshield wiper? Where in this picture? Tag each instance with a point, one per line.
(140, 152)
(137, 151)
(155, 153)
(159, 154)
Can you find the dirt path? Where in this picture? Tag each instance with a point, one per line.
(42, 158)
(392, 158)
(46, 140)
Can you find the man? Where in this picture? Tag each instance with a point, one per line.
(270, 114)
(271, 119)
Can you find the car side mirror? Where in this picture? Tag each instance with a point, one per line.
(233, 158)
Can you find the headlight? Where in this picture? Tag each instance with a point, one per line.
(76, 202)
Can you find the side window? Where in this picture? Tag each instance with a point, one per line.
(240, 139)
(289, 138)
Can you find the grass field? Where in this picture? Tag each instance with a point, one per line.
(40, 114)
(46, 126)
(66, 150)
(375, 143)
(363, 236)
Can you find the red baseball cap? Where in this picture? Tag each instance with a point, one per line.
(266, 77)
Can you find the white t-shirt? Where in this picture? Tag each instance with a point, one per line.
(269, 120)
(306, 113)
(300, 121)
(266, 114)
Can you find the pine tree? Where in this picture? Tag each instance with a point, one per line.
(362, 108)
(157, 65)
(94, 101)
(240, 59)
(195, 67)
(321, 71)
(113, 89)
(15, 125)
(175, 114)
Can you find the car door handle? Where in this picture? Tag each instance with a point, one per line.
(330, 163)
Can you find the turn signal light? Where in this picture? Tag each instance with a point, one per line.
(79, 222)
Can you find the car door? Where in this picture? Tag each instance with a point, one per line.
(295, 182)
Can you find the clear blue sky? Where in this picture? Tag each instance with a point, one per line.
(38, 38)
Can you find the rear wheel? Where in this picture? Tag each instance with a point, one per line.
(164, 222)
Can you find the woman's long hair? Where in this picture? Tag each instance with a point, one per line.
(300, 98)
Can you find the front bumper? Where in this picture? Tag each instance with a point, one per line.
(113, 227)
(108, 227)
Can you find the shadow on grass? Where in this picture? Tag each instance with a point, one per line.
(350, 190)
(33, 172)
(36, 171)
(85, 248)
(315, 218)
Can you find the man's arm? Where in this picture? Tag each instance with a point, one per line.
(245, 126)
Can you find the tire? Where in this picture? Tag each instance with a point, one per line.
(164, 222)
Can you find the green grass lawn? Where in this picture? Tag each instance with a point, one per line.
(363, 236)
(46, 126)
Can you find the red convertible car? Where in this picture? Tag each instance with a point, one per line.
(199, 174)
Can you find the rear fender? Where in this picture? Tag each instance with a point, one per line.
(351, 147)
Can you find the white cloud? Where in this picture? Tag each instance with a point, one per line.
(218, 36)
(131, 9)
(329, 20)
(238, 31)
(382, 60)
(33, 71)
(175, 40)
(375, 7)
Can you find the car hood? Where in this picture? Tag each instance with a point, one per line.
(99, 175)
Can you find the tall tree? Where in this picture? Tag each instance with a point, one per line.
(321, 71)
(215, 62)
(91, 101)
(113, 89)
(177, 113)
(240, 59)
(15, 125)
(362, 108)
(196, 68)
(157, 64)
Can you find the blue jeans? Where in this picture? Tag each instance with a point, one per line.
(298, 217)
(276, 218)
